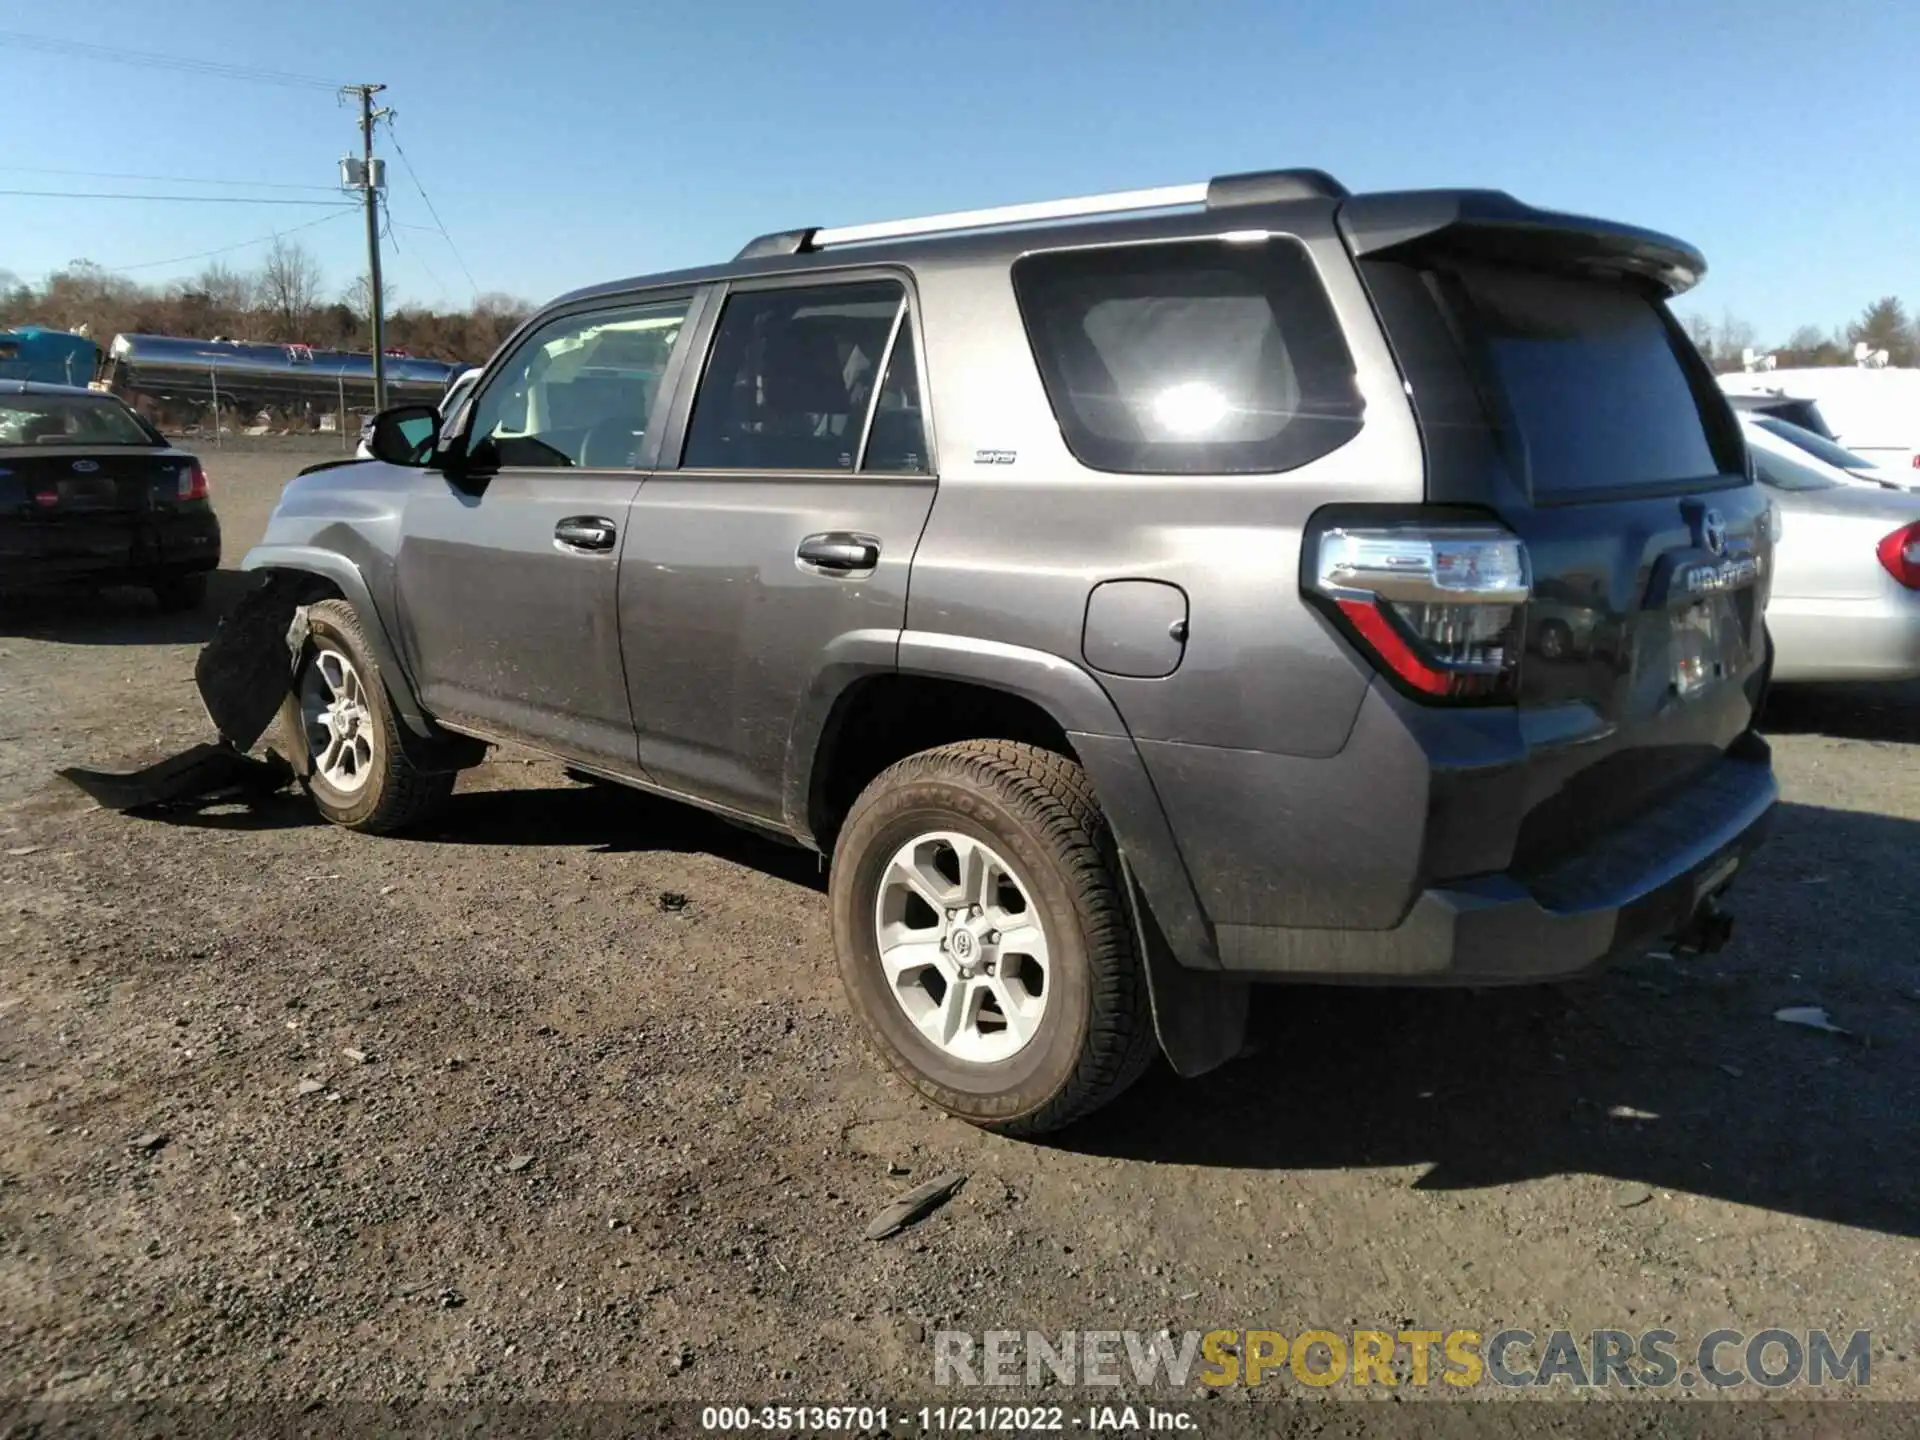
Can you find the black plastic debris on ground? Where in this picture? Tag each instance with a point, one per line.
(203, 775)
(916, 1203)
(243, 673)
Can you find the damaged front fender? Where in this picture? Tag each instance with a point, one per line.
(244, 671)
(329, 571)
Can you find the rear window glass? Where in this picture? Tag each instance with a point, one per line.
(31, 419)
(1817, 446)
(1803, 413)
(1193, 358)
(1594, 389)
(1784, 474)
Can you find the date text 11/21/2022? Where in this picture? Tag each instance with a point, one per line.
(955, 1419)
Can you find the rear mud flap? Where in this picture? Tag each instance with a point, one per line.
(1199, 1016)
(244, 674)
(202, 775)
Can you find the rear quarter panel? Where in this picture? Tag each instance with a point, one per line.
(1012, 550)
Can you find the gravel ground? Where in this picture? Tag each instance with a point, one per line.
(478, 1115)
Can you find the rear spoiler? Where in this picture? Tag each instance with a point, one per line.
(1492, 225)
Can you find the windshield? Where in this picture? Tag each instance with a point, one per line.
(1596, 393)
(70, 420)
(1817, 446)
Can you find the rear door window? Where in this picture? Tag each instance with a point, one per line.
(793, 377)
(1589, 378)
(1203, 357)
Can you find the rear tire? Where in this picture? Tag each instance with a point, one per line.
(988, 1032)
(177, 594)
(338, 719)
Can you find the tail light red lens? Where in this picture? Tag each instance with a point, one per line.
(1900, 553)
(193, 483)
(1439, 608)
(46, 497)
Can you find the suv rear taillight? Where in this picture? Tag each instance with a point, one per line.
(1900, 553)
(193, 483)
(1440, 608)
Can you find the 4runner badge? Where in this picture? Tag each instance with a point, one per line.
(994, 457)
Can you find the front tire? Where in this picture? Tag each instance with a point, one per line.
(983, 937)
(338, 717)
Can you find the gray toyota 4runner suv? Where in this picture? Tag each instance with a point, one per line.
(1135, 597)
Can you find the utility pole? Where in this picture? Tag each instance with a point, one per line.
(371, 173)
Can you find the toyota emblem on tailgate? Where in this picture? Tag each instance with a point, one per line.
(1713, 532)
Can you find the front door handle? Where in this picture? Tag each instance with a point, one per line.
(585, 532)
(839, 551)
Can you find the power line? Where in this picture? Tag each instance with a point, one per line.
(387, 209)
(192, 199)
(77, 49)
(411, 175)
(229, 249)
(161, 179)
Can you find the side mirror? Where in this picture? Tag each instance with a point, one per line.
(405, 434)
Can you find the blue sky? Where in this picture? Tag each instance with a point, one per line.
(581, 140)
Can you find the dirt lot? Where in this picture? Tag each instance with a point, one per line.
(603, 1148)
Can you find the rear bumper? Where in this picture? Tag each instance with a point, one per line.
(1447, 846)
(36, 553)
(1818, 641)
(1637, 884)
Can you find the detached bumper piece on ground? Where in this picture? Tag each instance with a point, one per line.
(243, 674)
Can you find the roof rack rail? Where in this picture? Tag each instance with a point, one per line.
(1256, 187)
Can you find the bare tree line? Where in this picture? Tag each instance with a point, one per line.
(1883, 325)
(285, 299)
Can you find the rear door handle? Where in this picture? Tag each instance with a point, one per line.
(839, 552)
(585, 532)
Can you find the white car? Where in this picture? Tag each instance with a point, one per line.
(451, 400)
(1778, 437)
(1834, 453)
(1874, 412)
(1846, 570)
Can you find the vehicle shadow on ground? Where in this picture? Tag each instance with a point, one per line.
(611, 819)
(117, 615)
(1846, 712)
(284, 810)
(1659, 1074)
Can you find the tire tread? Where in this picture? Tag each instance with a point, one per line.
(405, 793)
(1051, 795)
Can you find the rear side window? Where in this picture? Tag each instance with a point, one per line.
(1204, 357)
(794, 379)
(1590, 379)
